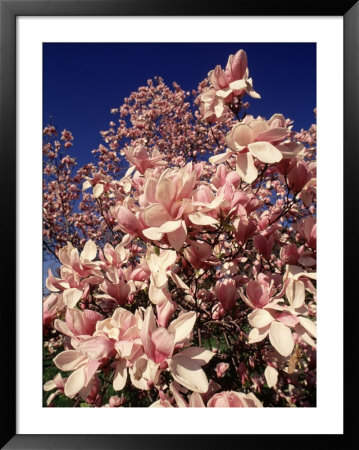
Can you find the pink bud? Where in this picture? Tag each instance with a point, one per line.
(227, 293)
(243, 372)
(116, 401)
(289, 254)
(164, 365)
(236, 66)
(264, 244)
(221, 369)
(298, 176)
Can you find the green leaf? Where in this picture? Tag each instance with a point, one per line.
(85, 405)
(228, 227)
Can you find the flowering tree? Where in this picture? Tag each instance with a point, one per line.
(187, 254)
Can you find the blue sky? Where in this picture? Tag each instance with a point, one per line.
(83, 81)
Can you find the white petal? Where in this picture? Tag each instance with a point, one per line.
(129, 171)
(260, 318)
(271, 375)
(170, 225)
(188, 373)
(217, 159)
(98, 190)
(70, 360)
(49, 385)
(258, 334)
(238, 85)
(308, 325)
(218, 107)
(153, 233)
(295, 293)
(158, 404)
(198, 354)
(272, 135)
(86, 185)
(296, 272)
(71, 297)
(252, 93)
(157, 295)
(195, 401)
(62, 326)
(202, 219)
(215, 203)
(265, 152)
(89, 252)
(182, 326)
(305, 336)
(179, 283)
(245, 167)
(52, 396)
(224, 93)
(167, 258)
(120, 376)
(281, 338)
(75, 382)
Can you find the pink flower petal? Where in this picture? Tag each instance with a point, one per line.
(163, 344)
(97, 347)
(156, 215)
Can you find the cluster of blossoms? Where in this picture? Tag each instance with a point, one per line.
(187, 269)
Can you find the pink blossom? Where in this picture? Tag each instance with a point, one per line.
(221, 369)
(253, 139)
(227, 293)
(231, 399)
(289, 254)
(234, 80)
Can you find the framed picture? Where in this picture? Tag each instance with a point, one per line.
(44, 45)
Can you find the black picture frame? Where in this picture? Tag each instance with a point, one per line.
(9, 10)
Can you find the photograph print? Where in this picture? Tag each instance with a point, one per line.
(179, 225)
